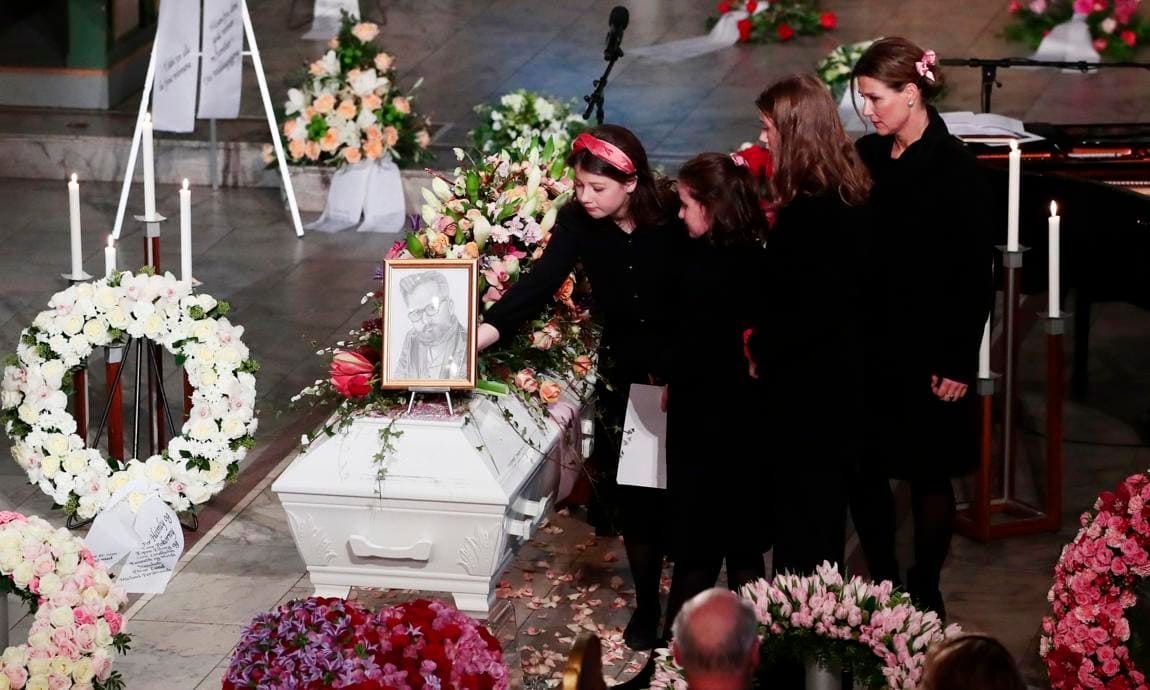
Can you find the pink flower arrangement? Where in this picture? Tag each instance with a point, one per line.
(869, 627)
(1085, 640)
(1114, 27)
(77, 627)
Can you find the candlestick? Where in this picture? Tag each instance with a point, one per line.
(984, 351)
(1055, 231)
(1012, 197)
(110, 258)
(74, 223)
(186, 233)
(149, 169)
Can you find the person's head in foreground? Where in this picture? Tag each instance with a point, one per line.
(971, 661)
(716, 641)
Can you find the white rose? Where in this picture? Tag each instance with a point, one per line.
(117, 318)
(9, 558)
(56, 400)
(232, 427)
(158, 470)
(67, 564)
(198, 493)
(56, 444)
(118, 481)
(76, 462)
(105, 297)
(53, 372)
(203, 429)
(50, 584)
(103, 634)
(28, 414)
(96, 332)
(23, 574)
(72, 324)
(83, 670)
(217, 472)
(50, 466)
(10, 399)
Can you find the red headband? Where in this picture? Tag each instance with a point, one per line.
(605, 150)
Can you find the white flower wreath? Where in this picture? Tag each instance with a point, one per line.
(219, 430)
(77, 627)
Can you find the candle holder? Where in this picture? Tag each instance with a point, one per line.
(73, 278)
(156, 399)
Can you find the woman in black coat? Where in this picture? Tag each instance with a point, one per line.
(806, 348)
(715, 477)
(930, 290)
(622, 228)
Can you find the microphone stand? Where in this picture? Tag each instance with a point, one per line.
(990, 67)
(595, 100)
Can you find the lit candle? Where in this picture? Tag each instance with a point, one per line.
(110, 258)
(186, 233)
(149, 169)
(1055, 227)
(984, 351)
(74, 222)
(1012, 197)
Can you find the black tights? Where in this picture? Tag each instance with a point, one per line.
(933, 510)
(696, 574)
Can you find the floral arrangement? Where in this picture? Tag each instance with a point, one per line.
(77, 627)
(779, 22)
(524, 120)
(867, 628)
(1115, 28)
(835, 69)
(320, 643)
(501, 212)
(348, 107)
(1088, 640)
(219, 430)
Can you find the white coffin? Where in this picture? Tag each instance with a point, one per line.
(460, 496)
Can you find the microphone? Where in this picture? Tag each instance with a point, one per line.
(618, 21)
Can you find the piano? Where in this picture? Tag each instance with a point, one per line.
(1100, 176)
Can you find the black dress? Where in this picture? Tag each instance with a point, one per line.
(930, 290)
(808, 349)
(716, 477)
(632, 276)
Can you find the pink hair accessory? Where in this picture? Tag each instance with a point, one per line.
(739, 160)
(604, 150)
(929, 59)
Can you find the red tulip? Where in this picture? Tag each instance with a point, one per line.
(751, 6)
(828, 20)
(785, 32)
(1129, 37)
(744, 30)
(351, 374)
(724, 7)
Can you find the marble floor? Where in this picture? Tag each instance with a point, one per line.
(291, 294)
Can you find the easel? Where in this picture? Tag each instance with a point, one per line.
(416, 390)
(1019, 517)
(277, 142)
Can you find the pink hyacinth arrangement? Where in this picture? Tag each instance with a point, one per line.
(1086, 641)
(857, 625)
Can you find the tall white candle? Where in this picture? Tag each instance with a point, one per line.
(149, 169)
(110, 258)
(1012, 197)
(74, 223)
(984, 351)
(1055, 288)
(186, 233)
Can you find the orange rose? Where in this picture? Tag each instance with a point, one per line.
(330, 141)
(297, 149)
(373, 149)
(352, 155)
(383, 62)
(372, 102)
(542, 340)
(438, 244)
(308, 113)
(324, 104)
(317, 69)
(563, 294)
(390, 136)
(581, 366)
(373, 133)
(401, 104)
(549, 392)
(471, 250)
(422, 139)
(365, 31)
(313, 150)
(289, 127)
(347, 109)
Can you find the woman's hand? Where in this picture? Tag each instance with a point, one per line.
(947, 389)
(486, 336)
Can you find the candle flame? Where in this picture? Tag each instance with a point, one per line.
(73, 177)
(185, 183)
(1054, 208)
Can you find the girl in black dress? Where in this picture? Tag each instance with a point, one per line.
(622, 228)
(715, 479)
(930, 295)
(807, 348)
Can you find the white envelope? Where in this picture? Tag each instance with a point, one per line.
(643, 454)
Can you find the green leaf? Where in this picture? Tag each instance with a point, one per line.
(415, 246)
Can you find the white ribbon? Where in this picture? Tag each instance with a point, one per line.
(371, 191)
(724, 34)
(326, 17)
(1068, 42)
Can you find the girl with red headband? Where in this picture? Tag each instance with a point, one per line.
(930, 296)
(622, 228)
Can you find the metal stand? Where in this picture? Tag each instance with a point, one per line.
(595, 99)
(1020, 517)
(446, 393)
(989, 69)
(1012, 265)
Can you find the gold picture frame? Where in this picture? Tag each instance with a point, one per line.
(430, 316)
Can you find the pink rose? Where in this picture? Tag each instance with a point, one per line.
(525, 380)
(85, 638)
(492, 295)
(542, 340)
(581, 366)
(549, 392)
(17, 675)
(59, 682)
(351, 374)
(114, 620)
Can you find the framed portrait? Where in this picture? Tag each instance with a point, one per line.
(429, 323)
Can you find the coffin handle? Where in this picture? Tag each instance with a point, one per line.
(362, 547)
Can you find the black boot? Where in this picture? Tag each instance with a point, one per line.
(924, 591)
(646, 561)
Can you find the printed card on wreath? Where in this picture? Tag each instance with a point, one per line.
(429, 324)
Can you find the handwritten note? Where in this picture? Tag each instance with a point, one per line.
(643, 456)
(177, 64)
(140, 530)
(222, 75)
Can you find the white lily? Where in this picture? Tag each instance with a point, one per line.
(548, 221)
(295, 102)
(441, 189)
